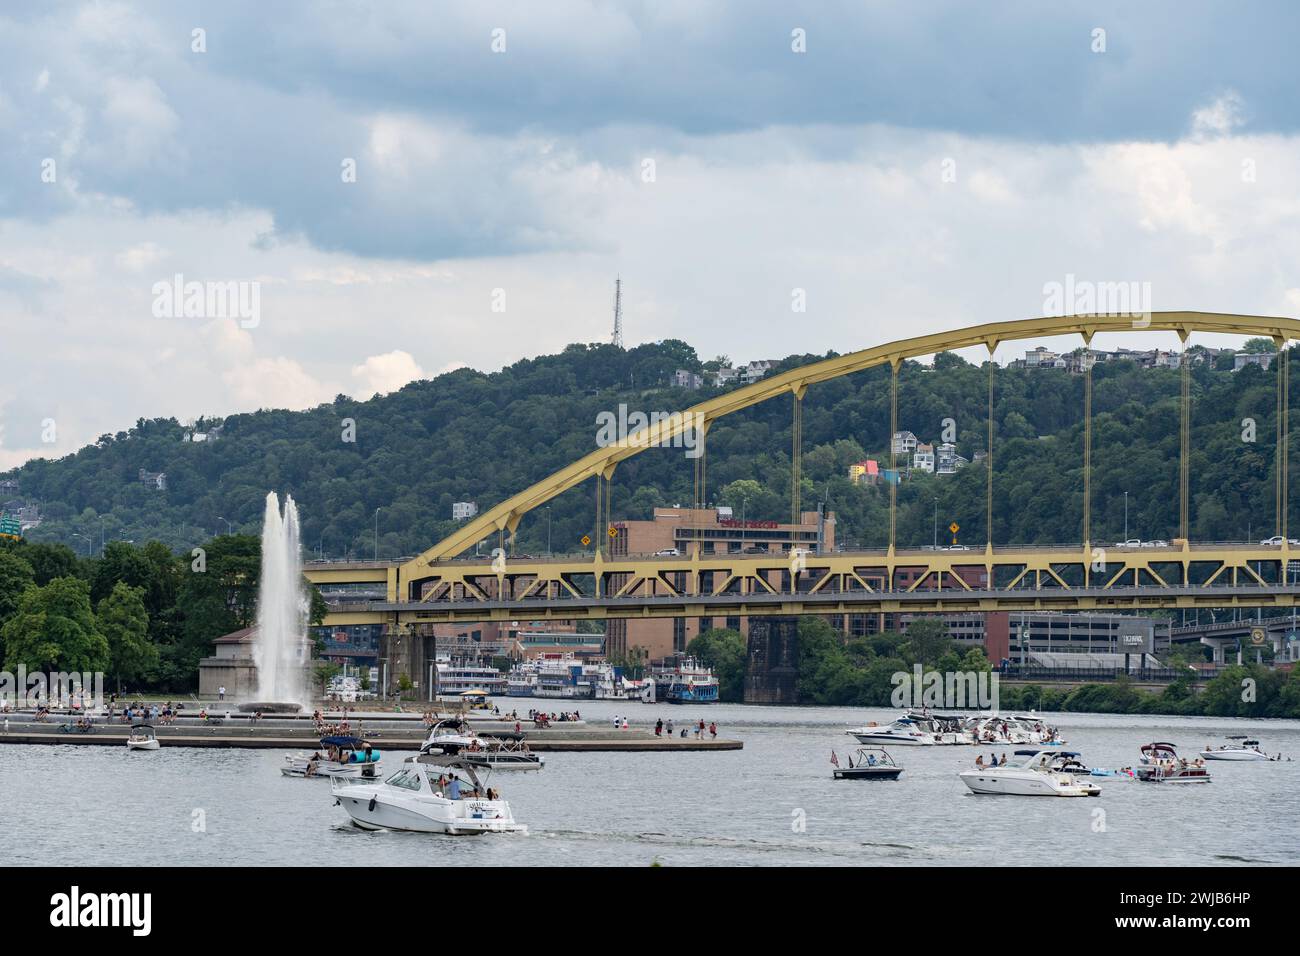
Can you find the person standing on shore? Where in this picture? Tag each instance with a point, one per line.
(659, 728)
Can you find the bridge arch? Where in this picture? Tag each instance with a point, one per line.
(602, 462)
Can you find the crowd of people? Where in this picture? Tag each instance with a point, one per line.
(663, 729)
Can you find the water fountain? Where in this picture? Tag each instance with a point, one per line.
(280, 649)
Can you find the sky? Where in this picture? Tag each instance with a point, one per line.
(405, 188)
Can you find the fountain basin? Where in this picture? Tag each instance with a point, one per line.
(270, 707)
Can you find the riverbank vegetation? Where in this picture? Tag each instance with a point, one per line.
(860, 672)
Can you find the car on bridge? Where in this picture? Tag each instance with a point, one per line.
(1277, 540)
(668, 553)
(1130, 543)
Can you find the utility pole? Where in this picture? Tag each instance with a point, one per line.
(1126, 516)
(936, 523)
(377, 510)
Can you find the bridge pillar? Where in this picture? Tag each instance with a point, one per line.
(772, 669)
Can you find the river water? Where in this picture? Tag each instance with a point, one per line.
(772, 803)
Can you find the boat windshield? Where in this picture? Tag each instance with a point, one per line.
(406, 779)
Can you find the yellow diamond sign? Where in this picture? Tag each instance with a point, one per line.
(954, 527)
(586, 540)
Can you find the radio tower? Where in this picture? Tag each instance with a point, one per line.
(617, 338)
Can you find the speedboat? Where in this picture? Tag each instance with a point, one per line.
(868, 766)
(1246, 750)
(903, 732)
(142, 738)
(1036, 773)
(347, 757)
(431, 793)
(504, 750)
(1160, 763)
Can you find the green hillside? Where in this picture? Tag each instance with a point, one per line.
(480, 437)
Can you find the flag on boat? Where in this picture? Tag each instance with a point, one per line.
(834, 759)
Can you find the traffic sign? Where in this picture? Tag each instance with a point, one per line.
(613, 532)
(954, 527)
(586, 540)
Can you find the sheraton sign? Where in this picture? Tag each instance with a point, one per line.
(734, 523)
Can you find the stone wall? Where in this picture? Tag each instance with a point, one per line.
(773, 667)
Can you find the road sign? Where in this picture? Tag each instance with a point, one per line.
(1258, 635)
(586, 540)
(954, 527)
(613, 532)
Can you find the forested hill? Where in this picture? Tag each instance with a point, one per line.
(469, 436)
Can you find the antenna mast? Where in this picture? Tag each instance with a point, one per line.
(617, 338)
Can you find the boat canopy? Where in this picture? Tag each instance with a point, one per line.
(342, 742)
(1159, 748)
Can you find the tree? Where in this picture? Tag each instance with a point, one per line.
(326, 671)
(124, 622)
(927, 640)
(54, 630)
(726, 653)
(16, 576)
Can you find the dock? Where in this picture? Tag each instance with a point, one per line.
(385, 732)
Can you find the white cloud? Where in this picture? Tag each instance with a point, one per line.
(1219, 118)
(381, 374)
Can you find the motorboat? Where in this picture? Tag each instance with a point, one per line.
(1160, 763)
(999, 730)
(347, 757)
(872, 763)
(1035, 773)
(1246, 750)
(431, 793)
(503, 750)
(903, 732)
(946, 729)
(142, 738)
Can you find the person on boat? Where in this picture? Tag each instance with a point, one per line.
(871, 760)
(979, 761)
(453, 788)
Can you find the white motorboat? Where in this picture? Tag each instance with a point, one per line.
(502, 750)
(142, 738)
(1035, 773)
(1246, 750)
(903, 732)
(431, 793)
(348, 757)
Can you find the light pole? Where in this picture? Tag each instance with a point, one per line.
(1126, 516)
(548, 531)
(377, 534)
(229, 526)
(936, 523)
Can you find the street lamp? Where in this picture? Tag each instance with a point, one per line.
(936, 523)
(1126, 516)
(377, 510)
(229, 526)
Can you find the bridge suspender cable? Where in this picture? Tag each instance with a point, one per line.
(1185, 441)
(893, 456)
(1087, 448)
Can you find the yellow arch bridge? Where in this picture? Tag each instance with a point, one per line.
(440, 586)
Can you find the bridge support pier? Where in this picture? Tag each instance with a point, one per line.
(773, 667)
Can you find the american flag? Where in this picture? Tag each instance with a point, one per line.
(834, 759)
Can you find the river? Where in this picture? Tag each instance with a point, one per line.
(772, 803)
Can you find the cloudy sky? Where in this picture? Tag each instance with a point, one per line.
(383, 175)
